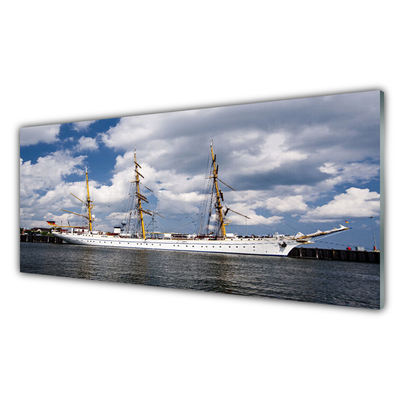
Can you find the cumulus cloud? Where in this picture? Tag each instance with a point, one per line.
(355, 203)
(253, 218)
(285, 204)
(272, 152)
(132, 131)
(82, 126)
(306, 142)
(348, 173)
(48, 171)
(34, 135)
(87, 143)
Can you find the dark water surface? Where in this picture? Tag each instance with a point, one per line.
(319, 281)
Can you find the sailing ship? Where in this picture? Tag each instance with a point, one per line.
(133, 234)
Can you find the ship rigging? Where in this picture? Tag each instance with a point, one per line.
(133, 233)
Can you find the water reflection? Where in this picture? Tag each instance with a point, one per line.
(85, 266)
(138, 268)
(222, 274)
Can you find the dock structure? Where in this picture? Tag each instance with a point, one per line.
(40, 239)
(336, 255)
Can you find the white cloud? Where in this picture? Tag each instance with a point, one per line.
(131, 131)
(34, 135)
(82, 126)
(269, 200)
(253, 217)
(272, 152)
(87, 143)
(349, 173)
(285, 204)
(125, 162)
(47, 172)
(118, 191)
(329, 168)
(355, 203)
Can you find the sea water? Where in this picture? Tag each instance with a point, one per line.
(319, 281)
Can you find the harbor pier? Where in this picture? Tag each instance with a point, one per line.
(40, 239)
(336, 255)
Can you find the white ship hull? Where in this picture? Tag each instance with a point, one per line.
(253, 246)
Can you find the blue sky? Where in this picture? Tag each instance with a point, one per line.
(295, 165)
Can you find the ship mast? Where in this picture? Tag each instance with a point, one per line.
(88, 204)
(139, 197)
(218, 205)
